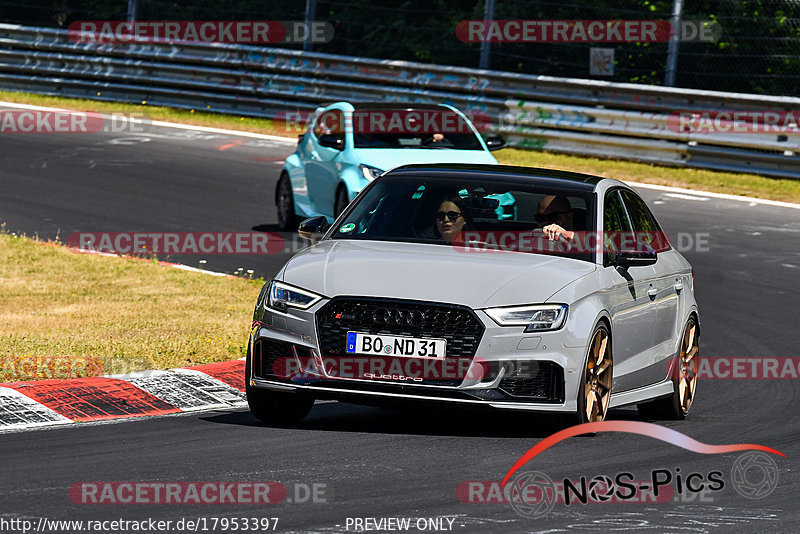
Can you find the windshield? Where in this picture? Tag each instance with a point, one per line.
(438, 128)
(457, 141)
(469, 212)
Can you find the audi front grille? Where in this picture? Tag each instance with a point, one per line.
(457, 324)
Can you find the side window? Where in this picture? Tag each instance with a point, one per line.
(330, 122)
(615, 224)
(644, 224)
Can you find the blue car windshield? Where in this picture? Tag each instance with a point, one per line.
(450, 141)
(472, 212)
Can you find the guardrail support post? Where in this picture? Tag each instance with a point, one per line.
(486, 46)
(672, 51)
(311, 13)
(132, 8)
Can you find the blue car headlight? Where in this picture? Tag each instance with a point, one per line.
(282, 296)
(535, 318)
(369, 172)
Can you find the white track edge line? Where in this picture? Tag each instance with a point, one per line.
(165, 124)
(167, 263)
(723, 196)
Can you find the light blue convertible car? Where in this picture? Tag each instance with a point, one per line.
(349, 144)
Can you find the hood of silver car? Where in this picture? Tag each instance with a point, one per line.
(429, 272)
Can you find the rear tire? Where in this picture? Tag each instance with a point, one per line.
(284, 201)
(275, 406)
(684, 380)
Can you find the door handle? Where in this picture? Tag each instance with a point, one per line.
(652, 292)
(678, 286)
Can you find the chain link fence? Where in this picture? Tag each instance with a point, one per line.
(758, 50)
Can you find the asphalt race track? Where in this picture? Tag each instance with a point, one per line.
(379, 463)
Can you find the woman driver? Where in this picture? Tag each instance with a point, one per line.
(452, 218)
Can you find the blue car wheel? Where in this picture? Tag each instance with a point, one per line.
(284, 200)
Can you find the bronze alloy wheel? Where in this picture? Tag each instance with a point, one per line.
(596, 388)
(688, 362)
(683, 373)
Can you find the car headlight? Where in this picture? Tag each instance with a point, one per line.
(535, 318)
(370, 173)
(282, 296)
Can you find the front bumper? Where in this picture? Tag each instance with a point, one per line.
(506, 369)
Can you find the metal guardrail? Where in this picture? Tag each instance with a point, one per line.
(582, 117)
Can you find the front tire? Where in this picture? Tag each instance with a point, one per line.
(594, 394)
(684, 380)
(275, 407)
(284, 201)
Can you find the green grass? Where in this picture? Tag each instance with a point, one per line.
(66, 314)
(721, 182)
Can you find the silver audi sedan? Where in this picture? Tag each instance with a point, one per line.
(507, 287)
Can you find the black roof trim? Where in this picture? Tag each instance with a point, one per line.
(572, 178)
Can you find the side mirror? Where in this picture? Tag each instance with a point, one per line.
(332, 141)
(495, 142)
(637, 259)
(313, 229)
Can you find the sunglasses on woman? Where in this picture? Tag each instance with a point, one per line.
(452, 215)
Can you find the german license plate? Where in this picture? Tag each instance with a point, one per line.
(384, 345)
